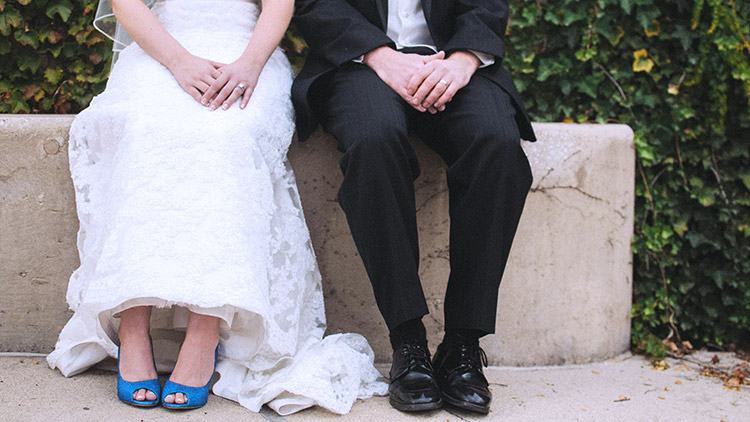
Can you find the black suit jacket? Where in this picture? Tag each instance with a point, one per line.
(338, 31)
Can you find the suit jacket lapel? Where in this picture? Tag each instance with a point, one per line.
(383, 12)
(427, 7)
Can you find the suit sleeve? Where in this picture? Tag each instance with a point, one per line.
(480, 26)
(336, 31)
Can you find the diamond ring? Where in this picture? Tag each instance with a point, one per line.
(444, 82)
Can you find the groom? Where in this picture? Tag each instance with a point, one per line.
(378, 70)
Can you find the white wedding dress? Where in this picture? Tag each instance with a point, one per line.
(184, 208)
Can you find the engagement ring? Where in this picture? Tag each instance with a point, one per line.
(241, 86)
(444, 82)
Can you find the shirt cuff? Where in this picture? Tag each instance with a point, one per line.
(361, 59)
(484, 58)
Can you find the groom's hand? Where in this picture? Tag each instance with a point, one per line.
(396, 69)
(435, 84)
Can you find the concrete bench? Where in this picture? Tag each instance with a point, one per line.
(565, 297)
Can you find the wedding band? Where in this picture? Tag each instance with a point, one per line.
(444, 82)
(241, 86)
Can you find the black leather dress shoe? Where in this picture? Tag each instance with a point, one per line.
(413, 387)
(458, 369)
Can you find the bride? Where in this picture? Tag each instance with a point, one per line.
(195, 256)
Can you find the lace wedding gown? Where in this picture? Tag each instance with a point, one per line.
(187, 209)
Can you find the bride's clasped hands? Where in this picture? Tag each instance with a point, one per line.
(194, 74)
(236, 81)
(216, 85)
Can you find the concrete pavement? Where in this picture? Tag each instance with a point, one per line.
(626, 388)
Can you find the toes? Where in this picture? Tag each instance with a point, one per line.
(144, 395)
(176, 398)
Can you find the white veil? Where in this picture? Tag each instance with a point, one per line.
(107, 24)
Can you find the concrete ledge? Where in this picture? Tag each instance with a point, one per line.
(565, 297)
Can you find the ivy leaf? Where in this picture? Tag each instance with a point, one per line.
(53, 76)
(627, 5)
(653, 29)
(29, 61)
(63, 8)
(29, 38)
(10, 18)
(18, 103)
(684, 35)
(588, 86)
(641, 62)
(572, 16)
(612, 33)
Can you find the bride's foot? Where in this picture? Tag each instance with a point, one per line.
(136, 361)
(195, 364)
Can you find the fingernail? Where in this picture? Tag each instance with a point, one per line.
(204, 102)
(225, 106)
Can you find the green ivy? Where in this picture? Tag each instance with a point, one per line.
(51, 58)
(677, 72)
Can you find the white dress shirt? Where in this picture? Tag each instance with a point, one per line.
(407, 24)
(407, 27)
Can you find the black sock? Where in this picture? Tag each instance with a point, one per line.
(467, 334)
(412, 329)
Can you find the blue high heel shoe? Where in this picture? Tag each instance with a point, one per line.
(125, 389)
(196, 396)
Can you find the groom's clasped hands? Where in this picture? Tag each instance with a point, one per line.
(427, 83)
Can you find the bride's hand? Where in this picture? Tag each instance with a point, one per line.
(226, 89)
(194, 74)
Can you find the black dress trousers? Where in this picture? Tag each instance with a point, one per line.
(488, 180)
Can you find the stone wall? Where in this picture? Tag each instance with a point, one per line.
(565, 297)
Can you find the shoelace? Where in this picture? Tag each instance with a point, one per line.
(471, 357)
(417, 353)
